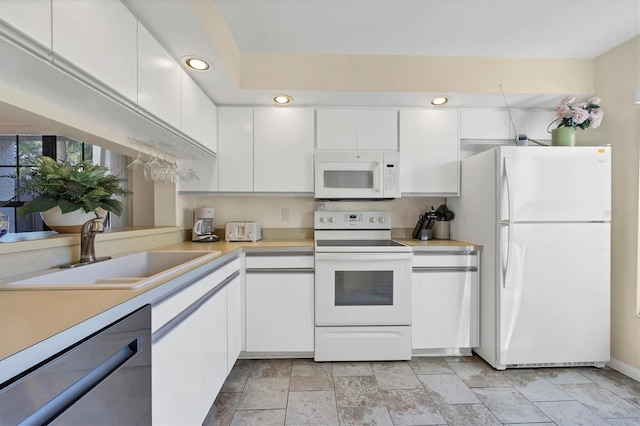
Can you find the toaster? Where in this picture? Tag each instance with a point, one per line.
(243, 231)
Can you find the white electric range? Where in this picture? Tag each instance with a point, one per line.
(362, 288)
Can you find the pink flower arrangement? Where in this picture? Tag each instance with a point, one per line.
(582, 115)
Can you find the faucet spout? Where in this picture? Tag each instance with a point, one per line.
(87, 239)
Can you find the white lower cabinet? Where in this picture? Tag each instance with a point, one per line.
(191, 350)
(445, 303)
(234, 319)
(279, 304)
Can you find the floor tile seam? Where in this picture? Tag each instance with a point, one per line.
(583, 405)
(525, 398)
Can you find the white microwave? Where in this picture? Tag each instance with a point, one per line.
(357, 175)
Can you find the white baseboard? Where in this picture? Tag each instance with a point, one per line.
(625, 369)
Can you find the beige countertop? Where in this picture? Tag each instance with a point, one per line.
(30, 317)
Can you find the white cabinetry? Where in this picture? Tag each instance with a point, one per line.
(235, 149)
(159, 79)
(283, 149)
(99, 38)
(429, 152)
(484, 124)
(279, 303)
(190, 347)
(350, 129)
(445, 317)
(198, 116)
(32, 17)
(234, 314)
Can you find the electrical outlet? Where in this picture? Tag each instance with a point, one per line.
(285, 214)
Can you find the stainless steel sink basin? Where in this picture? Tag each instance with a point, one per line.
(126, 272)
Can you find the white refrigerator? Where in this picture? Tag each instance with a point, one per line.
(542, 215)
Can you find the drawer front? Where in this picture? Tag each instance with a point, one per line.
(279, 262)
(444, 261)
(165, 310)
(233, 266)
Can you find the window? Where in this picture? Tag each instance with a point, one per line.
(19, 151)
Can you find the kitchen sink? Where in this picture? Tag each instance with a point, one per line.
(126, 272)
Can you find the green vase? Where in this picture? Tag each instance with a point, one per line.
(563, 136)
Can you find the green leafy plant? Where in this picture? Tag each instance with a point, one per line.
(71, 187)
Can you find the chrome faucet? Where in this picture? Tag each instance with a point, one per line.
(87, 239)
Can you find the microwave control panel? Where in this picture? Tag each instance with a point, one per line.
(390, 175)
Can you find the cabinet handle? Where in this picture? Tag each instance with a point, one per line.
(277, 253)
(280, 271)
(446, 269)
(189, 310)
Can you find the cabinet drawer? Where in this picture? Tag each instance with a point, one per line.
(444, 261)
(233, 266)
(279, 261)
(167, 309)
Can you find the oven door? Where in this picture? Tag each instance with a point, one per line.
(363, 289)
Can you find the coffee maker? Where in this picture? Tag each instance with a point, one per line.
(203, 225)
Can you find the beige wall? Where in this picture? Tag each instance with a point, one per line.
(267, 210)
(617, 76)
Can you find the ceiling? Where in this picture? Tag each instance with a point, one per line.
(561, 29)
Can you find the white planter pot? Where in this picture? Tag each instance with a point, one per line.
(68, 223)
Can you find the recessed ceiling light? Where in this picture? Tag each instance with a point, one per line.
(440, 100)
(282, 99)
(196, 63)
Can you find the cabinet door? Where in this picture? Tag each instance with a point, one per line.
(283, 149)
(98, 37)
(429, 152)
(279, 312)
(235, 151)
(378, 129)
(159, 79)
(444, 309)
(32, 17)
(234, 321)
(189, 364)
(336, 128)
(484, 124)
(533, 123)
(198, 116)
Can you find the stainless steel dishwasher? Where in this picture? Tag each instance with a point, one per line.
(104, 379)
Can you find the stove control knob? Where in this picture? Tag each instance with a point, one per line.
(372, 219)
(332, 220)
(381, 219)
(323, 219)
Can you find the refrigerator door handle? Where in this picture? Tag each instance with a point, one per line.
(506, 178)
(505, 269)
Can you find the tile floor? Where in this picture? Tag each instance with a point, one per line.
(423, 391)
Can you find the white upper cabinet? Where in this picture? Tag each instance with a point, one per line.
(337, 128)
(159, 79)
(283, 149)
(98, 37)
(484, 124)
(348, 128)
(429, 152)
(32, 17)
(235, 149)
(198, 114)
(533, 123)
(378, 129)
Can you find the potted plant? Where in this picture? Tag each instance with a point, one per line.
(571, 116)
(70, 194)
